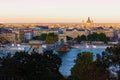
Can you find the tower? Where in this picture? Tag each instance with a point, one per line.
(62, 36)
(35, 45)
(89, 23)
(83, 24)
(92, 24)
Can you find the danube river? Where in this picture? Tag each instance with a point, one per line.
(69, 57)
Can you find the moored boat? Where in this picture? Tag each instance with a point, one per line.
(63, 49)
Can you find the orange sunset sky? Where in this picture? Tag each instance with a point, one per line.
(59, 11)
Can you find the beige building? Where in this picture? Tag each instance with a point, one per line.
(9, 36)
(38, 32)
(89, 23)
(74, 32)
(118, 35)
(108, 32)
(18, 35)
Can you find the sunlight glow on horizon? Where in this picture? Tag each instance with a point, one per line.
(59, 11)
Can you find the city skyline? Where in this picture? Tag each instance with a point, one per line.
(59, 11)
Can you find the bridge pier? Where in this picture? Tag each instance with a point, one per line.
(35, 45)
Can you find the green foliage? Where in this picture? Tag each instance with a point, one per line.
(87, 69)
(81, 68)
(111, 56)
(93, 37)
(83, 38)
(90, 38)
(119, 74)
(43, 36)
(36, 38)
(23, 66)
(51, 34)
(102, 37)
(97, 37)
(69, 38)
(51, 38)
(78, 39)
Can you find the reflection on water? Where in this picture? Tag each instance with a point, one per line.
(69, 57)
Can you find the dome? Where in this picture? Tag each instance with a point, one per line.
(88, 21)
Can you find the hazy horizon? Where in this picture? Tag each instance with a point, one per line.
(56, 23)
(59, 11)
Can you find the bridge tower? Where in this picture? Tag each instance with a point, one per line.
(35, 45)
(62, 36)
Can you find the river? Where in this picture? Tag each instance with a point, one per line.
(69, 57)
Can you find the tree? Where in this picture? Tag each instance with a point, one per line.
(97, 37)
(69, 38)
(43, 36)
(93, 37)
(102, 37)
(78, 39)
(100, 70)
(36, 38)
(51, 38)
(90, 38)
(83, 38)
(87, 69)
(112, 54)
(111, 57)
(82, 69)
(51, 34)
(23, 66)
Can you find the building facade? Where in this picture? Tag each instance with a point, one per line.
(109, 32)
(74, 32)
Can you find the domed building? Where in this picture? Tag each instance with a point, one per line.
(89, 23)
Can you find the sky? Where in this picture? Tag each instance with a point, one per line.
(59, 11)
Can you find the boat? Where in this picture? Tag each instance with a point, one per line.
(94, 46)
(63, 48)
(75, 47)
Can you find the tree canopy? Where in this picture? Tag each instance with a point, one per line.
(41, 37)
(93, 37)
(51, 38)
(87, 69)
(112, 57)
(23, 66)
(97, 37)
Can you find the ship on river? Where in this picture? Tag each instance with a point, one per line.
(63, 48)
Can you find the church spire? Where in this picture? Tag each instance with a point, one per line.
(88, 21)
(83, 24)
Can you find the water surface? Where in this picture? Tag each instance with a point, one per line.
(69, 57)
